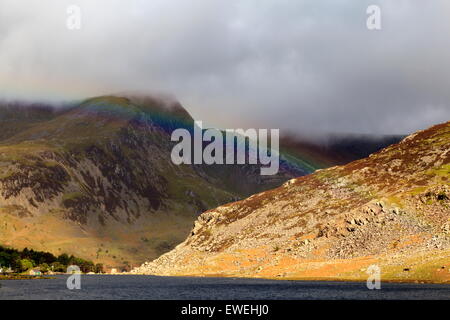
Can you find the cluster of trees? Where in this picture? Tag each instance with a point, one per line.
(21, 261)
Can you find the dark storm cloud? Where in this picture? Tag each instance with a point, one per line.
(307, 66)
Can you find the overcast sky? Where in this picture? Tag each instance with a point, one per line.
(306, 66)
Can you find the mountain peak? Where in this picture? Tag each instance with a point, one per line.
(139, 103)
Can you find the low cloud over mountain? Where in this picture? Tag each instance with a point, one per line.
(298, 65)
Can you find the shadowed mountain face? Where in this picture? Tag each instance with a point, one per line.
(309, 154)
(95, 178)
(391, 209)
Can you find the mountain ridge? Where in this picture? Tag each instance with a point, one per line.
(391, 209)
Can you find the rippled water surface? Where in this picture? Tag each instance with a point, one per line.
(150, 287)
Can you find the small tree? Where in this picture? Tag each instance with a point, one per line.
(44, 267)
(25, 264)
(58, 267)
(64, 259)
(98, 268)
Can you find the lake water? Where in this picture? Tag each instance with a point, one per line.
(181, 288)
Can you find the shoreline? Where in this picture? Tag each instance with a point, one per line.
(331, 279)
(219, 276)
(24, 277)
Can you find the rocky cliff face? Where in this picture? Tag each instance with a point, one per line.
(391, 209)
